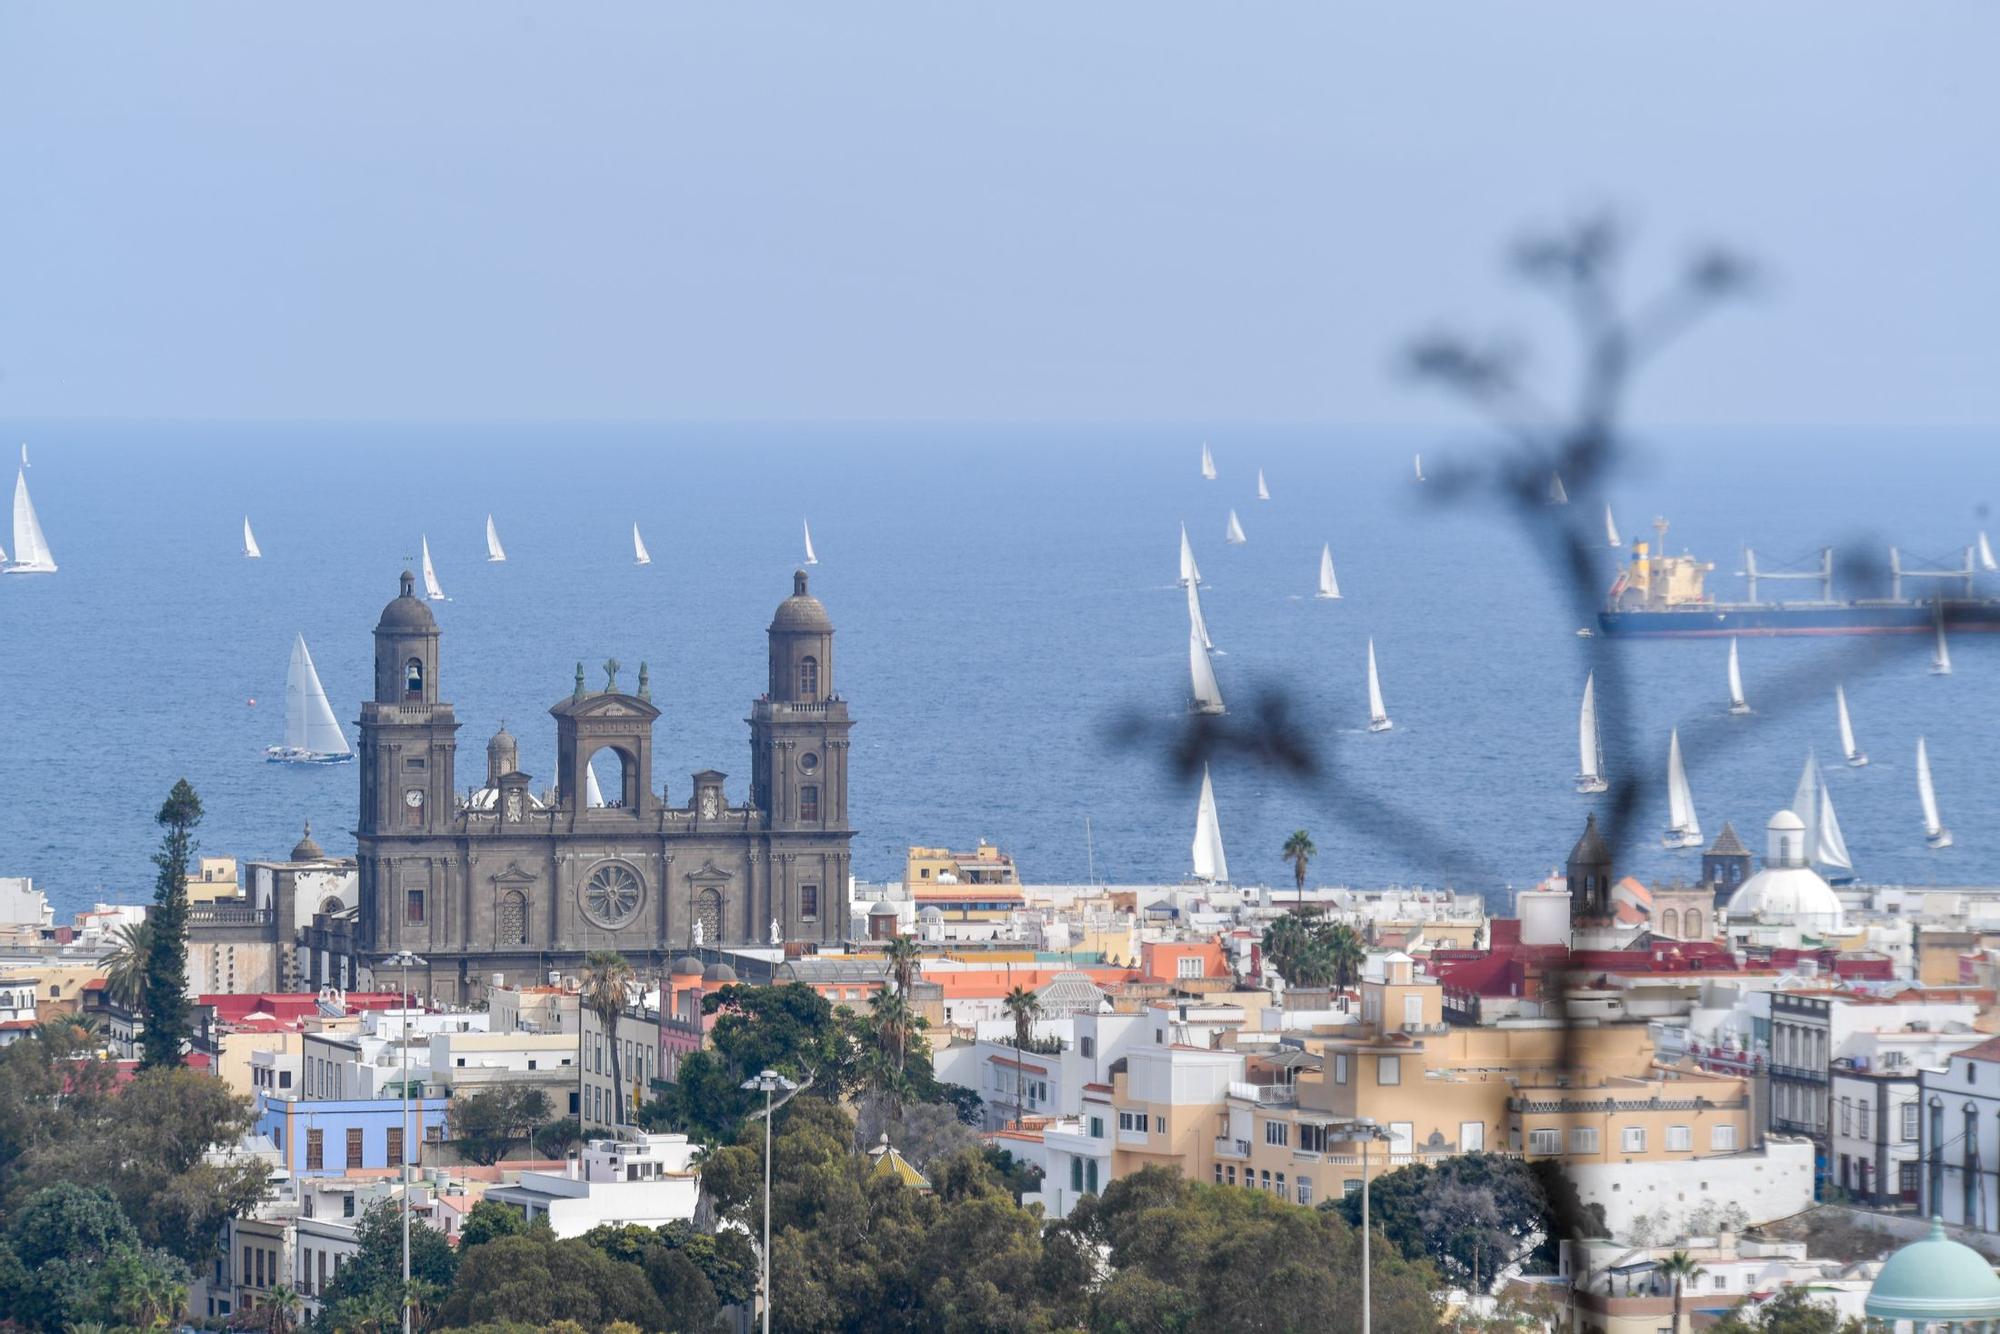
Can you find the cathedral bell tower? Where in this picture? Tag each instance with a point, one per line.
(1589, 876)
(408, 736)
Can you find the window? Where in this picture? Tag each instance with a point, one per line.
(246, 1265)
(1388, 1069)
(1312, 1139)
(1305, 1188)
(413, 905)
(1076, 1174)
(1086, 1046)
(1132, 1121)
(1266, 1183)
(513, 920)
(354, 1147)
(1188, 965)
(1230, 1173)
(395, 1146)
(1633, 1139)
(315, 1150)
(1471, 1136)
(1846, 1117)
(1340, 1067)
(1971, 1073)
(1721, 1283)
(1159, 1125)
(413, 677)
(1097, 1127)
(1583, 1139)
(1861, 1119)
(1545, 1141)
(809, 903)
(1280, 1186)
(808, 678)
(1692, 929)
(347, 1205)
(1909, 1120)
(809, 802)
(1351, 1186)
(1413, 1009)
(1218, 1174)
(1278, 1133)
(1679, 1139)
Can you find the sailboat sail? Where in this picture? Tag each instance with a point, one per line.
(1378, 716)
(640, 556)
(26, 464)
(309, 722)
(1683, 826)
(1207, 694)
(1329, 587)
(1235, 533)
(593, 795)
(1209, 861)
(494, 551)
(1847, 746)
(1190, 572)
(1195, 617)
(811, 559)
(1263, 492)
(1934, 829)
(251, 551)
(1737, 704)
(1420, 467)
(1940, 655)
(431, 588)
(1207, 462)
(1610, 527)
(1812, 802)
(1557, 494)
(31, 546)
(1590, 748)
(1986, 561)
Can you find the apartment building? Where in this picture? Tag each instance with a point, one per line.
(1959, 1128)
(1877, 1116)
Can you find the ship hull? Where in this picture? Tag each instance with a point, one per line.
(1723, 620)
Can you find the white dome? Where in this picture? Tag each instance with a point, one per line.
(1788, 895)
(1786, 820)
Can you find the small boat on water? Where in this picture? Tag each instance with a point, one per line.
(640, 556)
(1856, 757)
(432, 590)
(1190, 572)
(312, 733)
(1683, 826)
(31, 545)
(1329, 587)
(1235, 536)
(1935, 834)
(1207, 694)
(1210, 863)
(251, 551)
(1207, 462)
(1590, 747)
(1420, 467)
(1941, 653)
(1737, 704)
(1263, 492)
(1378, 716)
(1825, 847)
(1610, 527)
(494, 551)
(811, 559)
(1557, 494)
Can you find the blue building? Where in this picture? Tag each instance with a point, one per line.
(332, 1136)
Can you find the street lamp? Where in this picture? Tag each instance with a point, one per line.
(404, 961)
(770, 1081)
(1368, 1132)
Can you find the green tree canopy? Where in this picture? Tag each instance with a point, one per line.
(374, 1276)
(535, 1279)
(489, 1124)
(71, 1257)
(169, 1017)
(1473, 1210)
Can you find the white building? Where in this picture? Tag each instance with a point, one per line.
(648, 1181)
(1959, 1138)
(1787, 892)
(1877, 1116)
(1051, 1082)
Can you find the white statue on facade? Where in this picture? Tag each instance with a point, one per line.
(694, 933)
(777, 936)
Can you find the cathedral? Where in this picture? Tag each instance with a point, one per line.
(509, 883)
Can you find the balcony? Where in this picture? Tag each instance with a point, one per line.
(228, 914)
(1232, 1148)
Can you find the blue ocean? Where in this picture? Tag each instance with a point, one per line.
(1010, 635)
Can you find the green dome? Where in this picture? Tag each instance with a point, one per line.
(1935, 1279)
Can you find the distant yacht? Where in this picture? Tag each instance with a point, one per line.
(1935, 834)
(1263, 492)
(251, 551)
(1590, 747)
(1207, 462)
(1683, 826)
(26, 464)
(1557, 495)
(1210, 863)
(31, 546)
(1207, 694)
(312, 734)
(494, 551)
(1196, 619)
(1737, 704)
(1420, 467)
(1813, 803)
(1190, 572)
(1986, 561)
(1610, 527)
(640, 556)
(431, 588)
(811, 559)
(1378, 717)
(1856, 757)
(1941, 654)
(1329, 587)
(1235, 536)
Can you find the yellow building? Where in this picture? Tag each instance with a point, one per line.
(985, 865)
(213, 879)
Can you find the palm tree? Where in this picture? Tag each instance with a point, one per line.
(1022, 1006)
(903, 954)
(65, 1035)
(1298, 851)
(607, 984)
(1346, 954)
(125, 966)
(281, 1305)
(1680, 1269)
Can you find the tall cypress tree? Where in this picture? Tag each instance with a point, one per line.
(169, 1018)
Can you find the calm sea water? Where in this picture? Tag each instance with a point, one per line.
(1002, 595)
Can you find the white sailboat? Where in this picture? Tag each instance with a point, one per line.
(1590, 747)
(1825, 846)
(1207, 694)
(1209, 861)
(811, 558)
(1329, 587)
(1235, 536)
(1207, 462)
(1420, 467)
(640, 556)
(1737, 704)
(26, 464)
(1190, 572)
(1557, 494)
(431, 587)
(1855, 756)
(1196, 619)
(312, 733)
(251, 551)
(1986, 561)
(494, 551)
(1378, 717)
(1941, 654)
(1935, 834)
(1683, 826)
(31, 545)
(593, 795)
(1263, 492)
(1610, 527)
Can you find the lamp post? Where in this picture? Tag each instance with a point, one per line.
(769, 1081)
(1368, 1132)
(404, 961)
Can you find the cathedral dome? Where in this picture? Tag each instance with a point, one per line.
(503, 756)
(687, 966)
(801, 613)
(1788, 891)
(407, 611)
(719, 972)
(306, 850)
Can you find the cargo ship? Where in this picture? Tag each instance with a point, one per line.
(1662, 596)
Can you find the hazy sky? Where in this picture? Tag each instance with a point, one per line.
(1085, 209)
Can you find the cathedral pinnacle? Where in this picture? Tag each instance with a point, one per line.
(645, 686)
(579, 682)
(611, 666)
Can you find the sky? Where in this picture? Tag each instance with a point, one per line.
(477, 209)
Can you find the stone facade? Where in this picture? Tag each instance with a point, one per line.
(509, 883)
